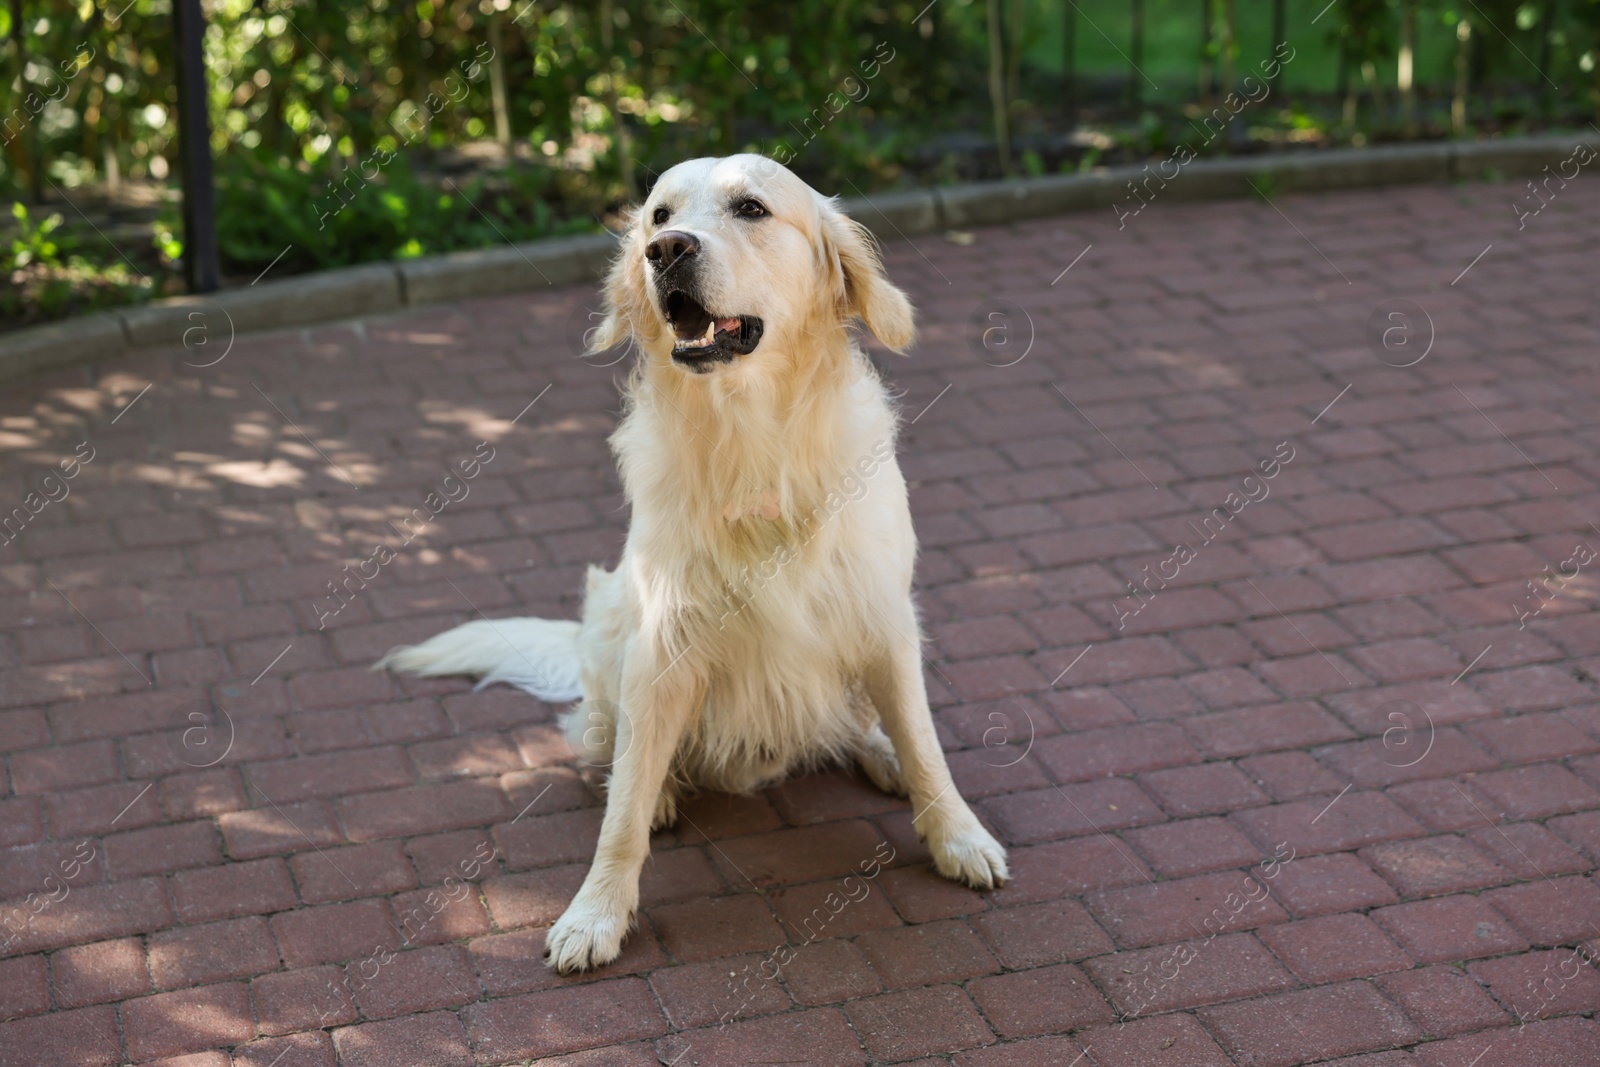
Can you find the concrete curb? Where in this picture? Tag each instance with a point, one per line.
(350, 292)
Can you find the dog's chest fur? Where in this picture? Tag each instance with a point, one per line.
(758, 554)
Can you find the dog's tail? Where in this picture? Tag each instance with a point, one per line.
(539, 656)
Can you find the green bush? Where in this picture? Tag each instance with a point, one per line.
(375, 211)
(47, 280)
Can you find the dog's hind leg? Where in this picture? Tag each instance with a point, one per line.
(875, 752)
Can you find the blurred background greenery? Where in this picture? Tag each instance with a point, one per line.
(351, 132)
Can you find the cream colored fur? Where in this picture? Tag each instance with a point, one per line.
(699, 674)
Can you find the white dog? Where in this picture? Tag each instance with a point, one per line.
(760, 620)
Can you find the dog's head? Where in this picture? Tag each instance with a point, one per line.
(732, 258)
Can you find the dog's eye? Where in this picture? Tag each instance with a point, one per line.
(750, 208)
(661, 215)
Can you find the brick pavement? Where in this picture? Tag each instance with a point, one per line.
(1321, 797)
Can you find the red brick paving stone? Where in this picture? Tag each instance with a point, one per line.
(1442, 1000)
(24, 987)
(1541, 985)
(1057, 931)
(1084, 707)
(706, 929)
(1079, 865)
(1333, 948)
(681, 874)
(197, 955)
(234, 889)
(788, 857)
(49, 770)
(423, 809)
(353, 871)
(547, 840)
(535, 899)
(1166, 1041)
(203, 794)
(86, 1037)
(1566, 1042)
(563, 1020)
(1035, 1052)
(334, 932)
(826, 972)
(1229, 734)
(161, 849)
(309, 998)
(839, 908)
(918, 1022)
(1551, 912)
(191, 1020)
(927, 954)
(643, 1055)
(101, 809)
(1410, 753)
(1434, 866)
(440, 856)
(1394, 1058)
(1448, 929)
(1044, 1000)
(94, 974)
(514, 962)
(1291, 775)
(721, 990)
(20, 822)
(713, 816)
(435, 1039)
(197, 1059)
(1528, 850)
(819, 1036)
(410, 982)
(99, 912)
(1203, 789)
(1582, 831)
(1176, 910)
(1532, 688)
(277, 828)
(436, 916)
(815, 798)
(1536, 792)
(333, 774)
(1192, 846)
(920, 895)
(1329, 824)
(296, 1050)
(1083, 807)
(1203, 971)
(1446, 805)
(1291, 1028)
(1326, 885)
(1531, 738)
(1112, 750)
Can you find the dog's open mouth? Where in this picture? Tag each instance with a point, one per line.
(704, 339)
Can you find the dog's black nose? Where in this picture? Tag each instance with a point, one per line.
(669, 246)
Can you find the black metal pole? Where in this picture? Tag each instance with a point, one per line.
(1069, 60)
(1136, 46)
(194, 137)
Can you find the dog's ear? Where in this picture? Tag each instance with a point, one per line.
(627, 302)
(861, 285)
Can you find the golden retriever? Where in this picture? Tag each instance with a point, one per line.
(760, 620)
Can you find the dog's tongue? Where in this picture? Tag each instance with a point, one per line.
(728, 325)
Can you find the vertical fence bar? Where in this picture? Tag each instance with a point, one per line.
(194, 136)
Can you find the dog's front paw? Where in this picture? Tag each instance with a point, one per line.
(584, 938)
(971, 856)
